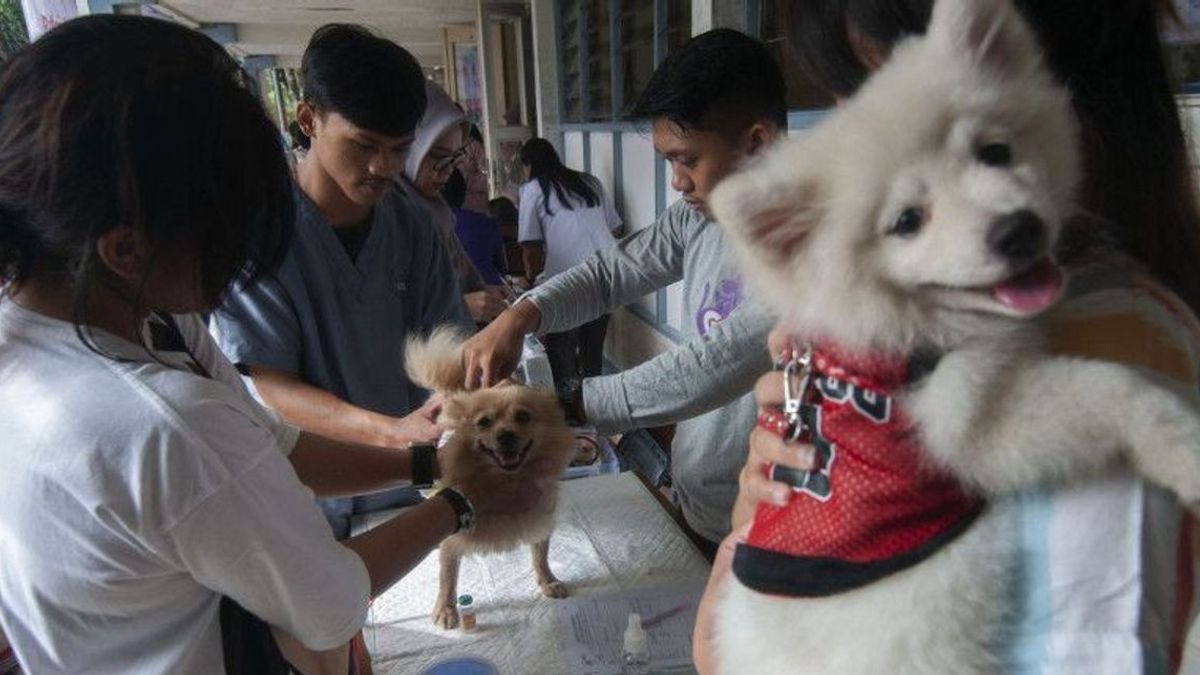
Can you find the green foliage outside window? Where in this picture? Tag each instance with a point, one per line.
(12, 28)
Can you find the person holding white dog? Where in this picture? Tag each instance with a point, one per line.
(1107, 567)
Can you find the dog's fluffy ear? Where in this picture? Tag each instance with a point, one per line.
(435, 362)
(989, 33)
(770, 208)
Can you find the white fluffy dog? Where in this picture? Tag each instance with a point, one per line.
(919, 218)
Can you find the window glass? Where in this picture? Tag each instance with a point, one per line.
(637, 50)
(599, 62)
(568, 63)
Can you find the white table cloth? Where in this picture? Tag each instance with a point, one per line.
(612, 535)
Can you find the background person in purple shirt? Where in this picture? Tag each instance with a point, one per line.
(479, 234)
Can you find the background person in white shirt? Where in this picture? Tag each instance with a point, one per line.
(145, 497)
(565, 217)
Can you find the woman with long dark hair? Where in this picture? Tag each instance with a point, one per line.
(155, 518)
(564, 217)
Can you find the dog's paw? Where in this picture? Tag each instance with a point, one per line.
(445, 616)
(1168, 452)
(554, 589)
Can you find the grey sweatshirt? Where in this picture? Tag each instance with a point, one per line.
(704, 384)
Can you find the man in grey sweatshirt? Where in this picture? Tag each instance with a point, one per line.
(713, 103)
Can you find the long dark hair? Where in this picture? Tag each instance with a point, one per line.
(110, 121)
(1138, 180)
(548, 170)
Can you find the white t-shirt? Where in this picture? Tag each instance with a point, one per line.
(571, 234)
(134, 494)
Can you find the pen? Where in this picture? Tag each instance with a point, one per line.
(663, 616)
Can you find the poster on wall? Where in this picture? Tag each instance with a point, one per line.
(42, 15)
(466, 75)
(12, 28)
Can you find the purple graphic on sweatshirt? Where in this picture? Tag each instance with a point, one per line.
(724, 299)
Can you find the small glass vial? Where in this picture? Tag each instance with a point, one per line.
(635, 652)
(466, 612)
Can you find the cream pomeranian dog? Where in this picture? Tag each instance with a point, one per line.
(508, 426)
(907, 242)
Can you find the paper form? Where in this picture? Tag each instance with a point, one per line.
(592, 628)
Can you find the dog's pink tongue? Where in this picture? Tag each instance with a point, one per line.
(1033, 290)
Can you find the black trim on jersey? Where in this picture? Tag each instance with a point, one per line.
(779, 573)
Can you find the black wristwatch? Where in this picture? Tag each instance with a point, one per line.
(422, 464)
(569, 392)
(462, 508)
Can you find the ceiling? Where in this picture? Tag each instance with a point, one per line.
(281, 28)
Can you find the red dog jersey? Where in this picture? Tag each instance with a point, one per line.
(872, 507)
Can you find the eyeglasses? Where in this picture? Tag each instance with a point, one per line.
(475, 160)
(444, 164)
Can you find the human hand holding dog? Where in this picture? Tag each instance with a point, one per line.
(493, 353)
(419, 426)
(767, 448)
(702, 632)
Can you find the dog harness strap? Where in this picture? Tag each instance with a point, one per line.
(872, 506)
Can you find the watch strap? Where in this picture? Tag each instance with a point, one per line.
(462, 508)
(422, 465)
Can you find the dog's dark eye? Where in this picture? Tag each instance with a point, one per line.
(522, 417)
(908, 223)
(994, 154)
(483, 422)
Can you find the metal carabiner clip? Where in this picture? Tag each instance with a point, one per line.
(801, 368)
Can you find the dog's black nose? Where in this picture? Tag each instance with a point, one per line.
(507, 440)
(1018, 236)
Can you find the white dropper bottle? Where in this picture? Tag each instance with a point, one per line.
(636, 649)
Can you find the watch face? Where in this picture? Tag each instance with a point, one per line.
(466, 519)
(462, 508)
